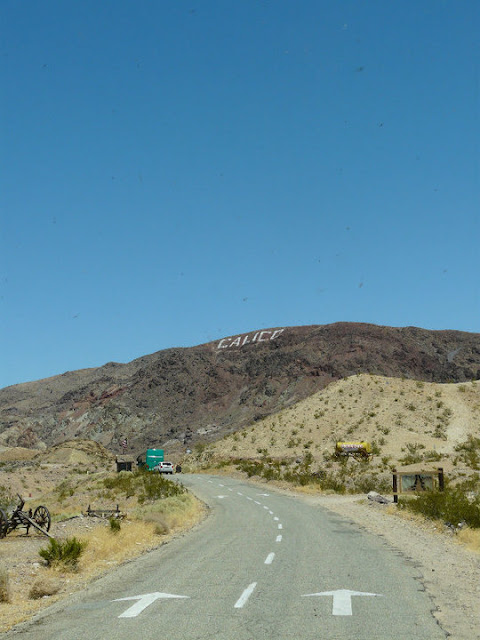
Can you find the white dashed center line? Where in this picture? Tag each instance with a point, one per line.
(245, 596)
(270, 558)
(278, 539)
(280, 526)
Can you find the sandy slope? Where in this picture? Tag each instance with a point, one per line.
(388, 411)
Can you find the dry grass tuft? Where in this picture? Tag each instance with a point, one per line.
(176, 512)
(43, 586)
(470, 538)
(106, 548)
(159, 522)
(5, 591)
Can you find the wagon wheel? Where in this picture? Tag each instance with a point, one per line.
(41, 515)
(3, 523)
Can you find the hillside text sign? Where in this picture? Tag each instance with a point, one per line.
(259, 336)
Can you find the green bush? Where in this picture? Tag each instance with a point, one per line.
(452, 506)
(146, 485)
(469, 452)
(63, 552)
(115, 525)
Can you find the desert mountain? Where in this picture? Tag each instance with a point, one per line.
(177, 397)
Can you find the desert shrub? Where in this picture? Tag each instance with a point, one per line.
(5, 592)
(63, 552)
(469, 452)
(156, 487)
(375, 448)
(413, 454)
(364, 484)
(271, 474)
(64, 490)
(115, 525)
(146, 485)
(333, 482)
(6, 498)
(452, 506)
(432, 456)
(251, 467)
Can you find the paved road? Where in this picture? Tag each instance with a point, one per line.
(263, 566)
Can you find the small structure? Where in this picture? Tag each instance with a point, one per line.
(416, 479)
(124, 463)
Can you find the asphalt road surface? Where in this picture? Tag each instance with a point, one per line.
(263, 566)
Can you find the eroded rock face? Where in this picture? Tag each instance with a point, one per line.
(177, 395)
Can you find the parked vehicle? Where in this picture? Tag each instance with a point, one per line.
(163, 467)
(150, 458)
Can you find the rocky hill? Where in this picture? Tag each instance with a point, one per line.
(177, 397)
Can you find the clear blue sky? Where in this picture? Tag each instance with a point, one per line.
(173, 172)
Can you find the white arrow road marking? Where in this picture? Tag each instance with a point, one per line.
(143, 602)
(270, 558)
(245, 596)
(342, 600)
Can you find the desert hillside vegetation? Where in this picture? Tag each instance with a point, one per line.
(407, 422)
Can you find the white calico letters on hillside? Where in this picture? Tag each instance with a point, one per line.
(259, 336)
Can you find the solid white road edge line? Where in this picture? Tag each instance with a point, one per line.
(241, 602)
